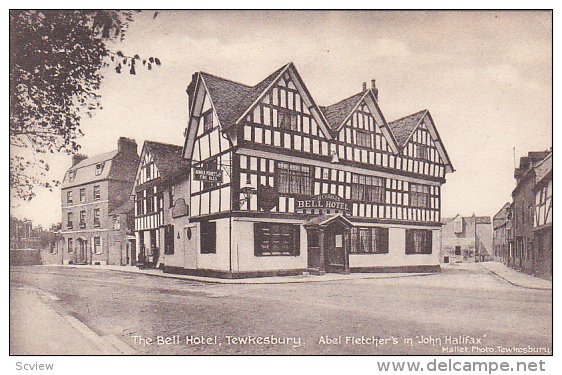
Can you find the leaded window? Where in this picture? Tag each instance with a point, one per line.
(294, 179)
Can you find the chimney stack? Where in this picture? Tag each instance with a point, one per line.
(191, 90)
(126, 146)
(77, 158)
(364, 86)
(374, 88)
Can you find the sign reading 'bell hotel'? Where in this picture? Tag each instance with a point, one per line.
(323, 202)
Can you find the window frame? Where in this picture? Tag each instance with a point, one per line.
(415, 195)
(69, 220)
(364, 188)
(82, 219)
(425, 240)
(99, 168)
(294, 179)
(69, 197)
(169, 239)
(363, 135)
(97, 248)
(283, 239)
(97, 192)
(377, 240)
(207, 120)
(70, 245)
(82, 195)
(97, 214)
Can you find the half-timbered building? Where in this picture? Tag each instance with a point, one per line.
(159, 193)
(281, 185)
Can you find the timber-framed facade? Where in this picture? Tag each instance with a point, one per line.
(279, 185)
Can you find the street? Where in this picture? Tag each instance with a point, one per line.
(462, 310)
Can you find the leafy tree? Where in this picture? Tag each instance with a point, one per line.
(56, 62)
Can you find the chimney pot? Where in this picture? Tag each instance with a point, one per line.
(364, 86)
(374, 88)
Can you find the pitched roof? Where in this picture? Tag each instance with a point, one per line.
(168, 159)
(231, 99)
(85, 171)
(404, 127)
(338, 112)
(96, 159)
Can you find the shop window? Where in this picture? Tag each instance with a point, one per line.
(294, 179)
(208, 237)
(419, 241)
(369, 240)
(276, 239)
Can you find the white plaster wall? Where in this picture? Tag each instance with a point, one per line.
(243, 251)
(397, 256)
(181, 244)
(220, 260)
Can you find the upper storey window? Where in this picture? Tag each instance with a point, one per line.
(422, 152)
(99, 168)
(208, 120)
(71, 175)
(287, 120)
(294, 179)
(419, 195)
(363, 138)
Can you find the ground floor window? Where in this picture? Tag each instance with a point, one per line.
(457, 250)
(276, 239)
(369, 240)
(169, 239)
(208, 237)
(97, 245)
(419, 241)
(70, 246)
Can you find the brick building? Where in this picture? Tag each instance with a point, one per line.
(502, 234)
(94, 196)
(466, 239)
(523, 212)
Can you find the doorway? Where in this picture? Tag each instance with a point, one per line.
(82, 254)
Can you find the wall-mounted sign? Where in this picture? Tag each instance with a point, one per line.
(180, 208)
(323, 203)
(207, 175)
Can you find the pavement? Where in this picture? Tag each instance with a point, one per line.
(382, 316)
(256, 280)
(516, 278)
(53, 333)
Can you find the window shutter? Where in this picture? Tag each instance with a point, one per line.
(409, 241)
(297, 240)
(257, 238)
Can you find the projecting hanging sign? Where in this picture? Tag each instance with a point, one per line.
(325, 203)
(207, 175)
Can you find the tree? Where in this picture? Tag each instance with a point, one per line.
(56, 61)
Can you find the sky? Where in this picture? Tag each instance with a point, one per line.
(485, 77)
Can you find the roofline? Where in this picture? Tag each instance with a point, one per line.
(440, 141)
(262, 93)
(338, 128)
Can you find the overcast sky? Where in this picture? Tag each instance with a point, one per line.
(484, 76)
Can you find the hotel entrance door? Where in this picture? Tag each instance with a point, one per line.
(328, 238)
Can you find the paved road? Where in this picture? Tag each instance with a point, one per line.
(310, 318)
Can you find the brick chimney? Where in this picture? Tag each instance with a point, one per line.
(126, 146)
(191, 90)
(77, 158)
(364, 86)
(374, 88)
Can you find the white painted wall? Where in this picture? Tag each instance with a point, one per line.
(220, 260)
(397, 256)
(243, 256)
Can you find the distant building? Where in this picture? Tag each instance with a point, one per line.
(466, 239)
(523, 212)
(502, 234)
(94, 197)
(542, 225)
(160, 191)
